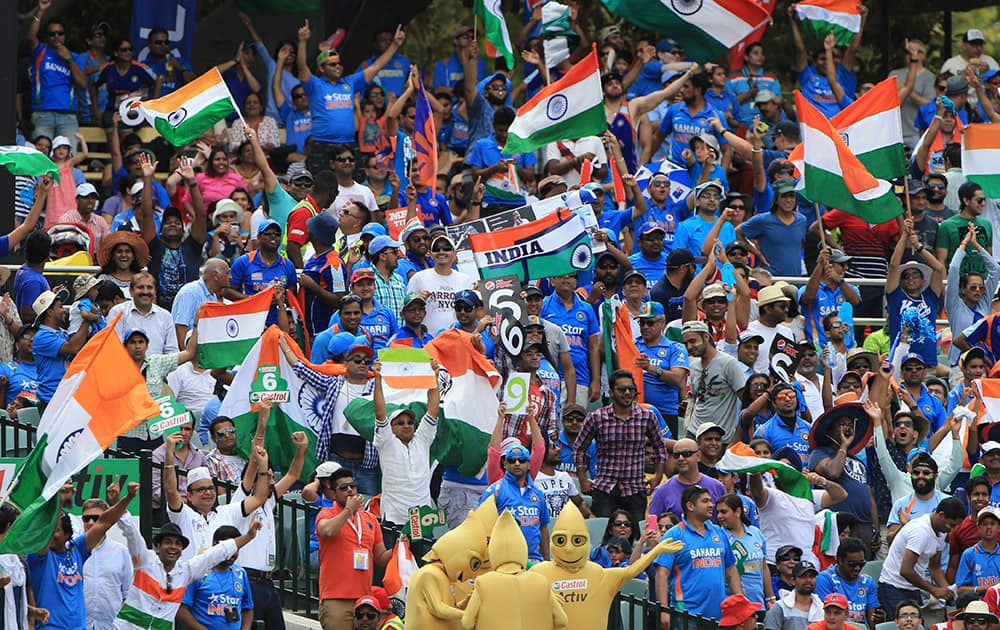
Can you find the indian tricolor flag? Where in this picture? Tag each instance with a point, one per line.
(468, 403)
(570, 108)
(102, 396)
(989, 392)
(226, 332)
(406, 368)
(834, 177)
(740, 458)
(980, 157)
(872, 129)
(185, 114)
(495, 25)
(708, 28)
(620, 350)
(839, 17)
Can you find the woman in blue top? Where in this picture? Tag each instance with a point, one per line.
(123, 77)
(620, 526)
(755, 405)
(749, 548)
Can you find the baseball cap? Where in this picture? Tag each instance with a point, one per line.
(713, 290)
(367, 600)
(912, 356)
(705, 427)
(364, 273)
(835, 599)
(695, 326)
(608, 31)
(679, 257)
(924, 459)
(86, 189)
(531, 289)
(411, 228)
(956, 85)
(802, 567)
(838, 256)
(136, 188)
(574, 409)
(462, 30)
(764, 96)
(783, 185)
(786, 551)
(516, 449)
(412, 297)
(972, 353)
(469, 297)
(297, 172)
(534, 321)
(380, 243)
(738, 245)
(712, 183)
(325, 55)
(633, 273)
(786, 128)
(135, 331)
(442, 236)
(746, 336)
(990, 446)
(989, 510)
(323, 227)
(268, 224)
(326, 469)
(974, 35)
(666, 45)
(651, 310)
(651, 226)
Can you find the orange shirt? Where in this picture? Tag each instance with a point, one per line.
(338, 579)
(821, 625)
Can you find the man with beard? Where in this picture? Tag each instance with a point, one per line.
(952, 231)
(370, 318)
(266, 267)
(348, 190)
(175, 259)
(772, 308)
(141, 311)
(826, 293)
(664, 364)
(608, 268)
(412, 333)
(785, 427)
(717, 380)
(916, 552)
(858, 589)
(689, 118)
(650, 260)
(922, 500)
(572, 420)
(813, 385)
(669, 289)
(440, 283)
(937, 191)
(470, 318)
(416, 243)
(797, 608)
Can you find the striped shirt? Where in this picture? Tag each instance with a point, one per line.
(390, 292)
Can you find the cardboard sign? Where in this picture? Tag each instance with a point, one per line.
(423, 521)
(268, 385)
(172, 416)
(515, 393)
(91, 483)
(784, 358)
(502, 300)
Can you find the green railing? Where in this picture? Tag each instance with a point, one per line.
(295, 579)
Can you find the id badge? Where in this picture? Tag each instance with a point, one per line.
(361, 560)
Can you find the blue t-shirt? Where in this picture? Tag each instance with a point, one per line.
(652, 269)
(448, 72)
(697, 573)
(978, 567)
(486, 152)
(393, 76)
(432, 207)
(250, 275)
(28, 285)
(854, 480)
(829, 300)
(666, 354)
(527, 505)
(914, 507)
(50, 366)
(927, 305)
(739, 82)
(380, 324)
(750, 552)
(119, 85)
(818, 92)
(776, 432)
(650, 79)
(861, 595)
(615, 220)
(51, 81)
(327, 270)
(298, 125)
(578, 323)
(685, 124)
(691, 234)
(173, 78)
(669, 215)
(780, 243)
(927, 112)
(21, 379)
(567, 463)
(725, 102)
(57, 579)
(332, 106)
(211, 595)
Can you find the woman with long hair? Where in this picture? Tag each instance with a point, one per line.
(621, 525)
(122, 255)
(755, 404)
(748, 546)
(218, 180)
(254, 118)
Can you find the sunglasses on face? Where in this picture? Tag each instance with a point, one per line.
(357, 360)
(56, 33)
(88, 518)
(903, 423)
(683, 454)
(229, 431)
(937, 186)
(446, 248)
(785, 395)
(516, 460)
(406, 422)
(979, 621)
(464, 308)
(921, 473)
(125, 49)
(980, 199)
(856, 565)
(658, 183)
(366, 614)
(345, 486)
(625, 390)
(345, 158)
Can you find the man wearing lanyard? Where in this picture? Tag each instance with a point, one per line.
(350, 541)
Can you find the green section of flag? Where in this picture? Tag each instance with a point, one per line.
(191, 128)
(404, 355)
(495, 26)
(885, 163)
(33, 529)
(817, 29)
(225, 354)
(278, 441)
(830, 190)
(280, 7)
(27, 161)
(589, 122)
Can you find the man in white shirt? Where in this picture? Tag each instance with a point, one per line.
(916, 552)
(972, 49)
(107, 573)
(142, 312)
(772, 307)
(439, 284)
(811, 380)
(566, 158)
(348, 190)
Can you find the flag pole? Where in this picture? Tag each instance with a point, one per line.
(822, 230)
(906, 193)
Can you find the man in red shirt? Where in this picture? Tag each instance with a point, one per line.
(324, 190)
(350, 544)
(834, 614)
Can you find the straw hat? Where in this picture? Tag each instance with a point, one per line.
(133, 240)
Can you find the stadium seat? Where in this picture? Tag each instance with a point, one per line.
(596, 527)
(873, 568)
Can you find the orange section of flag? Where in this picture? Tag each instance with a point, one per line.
(627, 350)
(256, 303)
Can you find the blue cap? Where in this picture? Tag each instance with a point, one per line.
(670, 75)
(666, 45)
(381, 242)
(990, 74)
(913, 356)
(323, 228)
(339, 344)
(134, 331)
(373, 229)
(514, 450)
(269, 223)
(914, 452)
(469, 297)
(650, 310)
(360, 343)
(651, 226)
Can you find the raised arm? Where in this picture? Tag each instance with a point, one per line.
(276, 92)
(850, 53)
(830, 43)
(300, 58)
(892, 276)
(379, 393)
(397, 42)
(112, 515)
(42, 188)
(36, 23)
(689, 308)
(801, 56)
(812, 287)
(174, 499)
(145, 209)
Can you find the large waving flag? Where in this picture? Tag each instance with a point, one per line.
(425, 140)
(102, 396)
(839, 17)
(620, 351)
(558, 35)
(834, 177)
(553, 245)
(708, 28)
(873, 130)
(570, 108)
(495, 25)
(740, 458)
(980, 157)
(226, 332)
(736, 52)
(27, 161)
(464, 428)
(300, 413)
(185, 114)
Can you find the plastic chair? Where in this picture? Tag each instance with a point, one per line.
(28, 415)
(596, 527)
(636, 588)
(873, 568)
(891, 625)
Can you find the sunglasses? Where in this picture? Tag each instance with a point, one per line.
(125, 49)
(787, 557)
(621, 523)
(160, 42)
(979, 621)
(922, 473)
(903, 423)
(366, 614)
(332, 64)
(406, 422)
(87, 518)
(785, 395)
(516, 460)
(298, 94)
(345, 158)
(229, 431)
(980, 199)
(658, 183)
(357, 360)
(345, 486)
(856, 565)
(942, 87)
(684, 454)
(56, 33)
(170, 584)
(464, 308)
(937, 186)
(626, 389)
(446, 248)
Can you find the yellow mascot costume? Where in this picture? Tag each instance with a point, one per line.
(585, 588)
(456, 558)
(510, 598)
